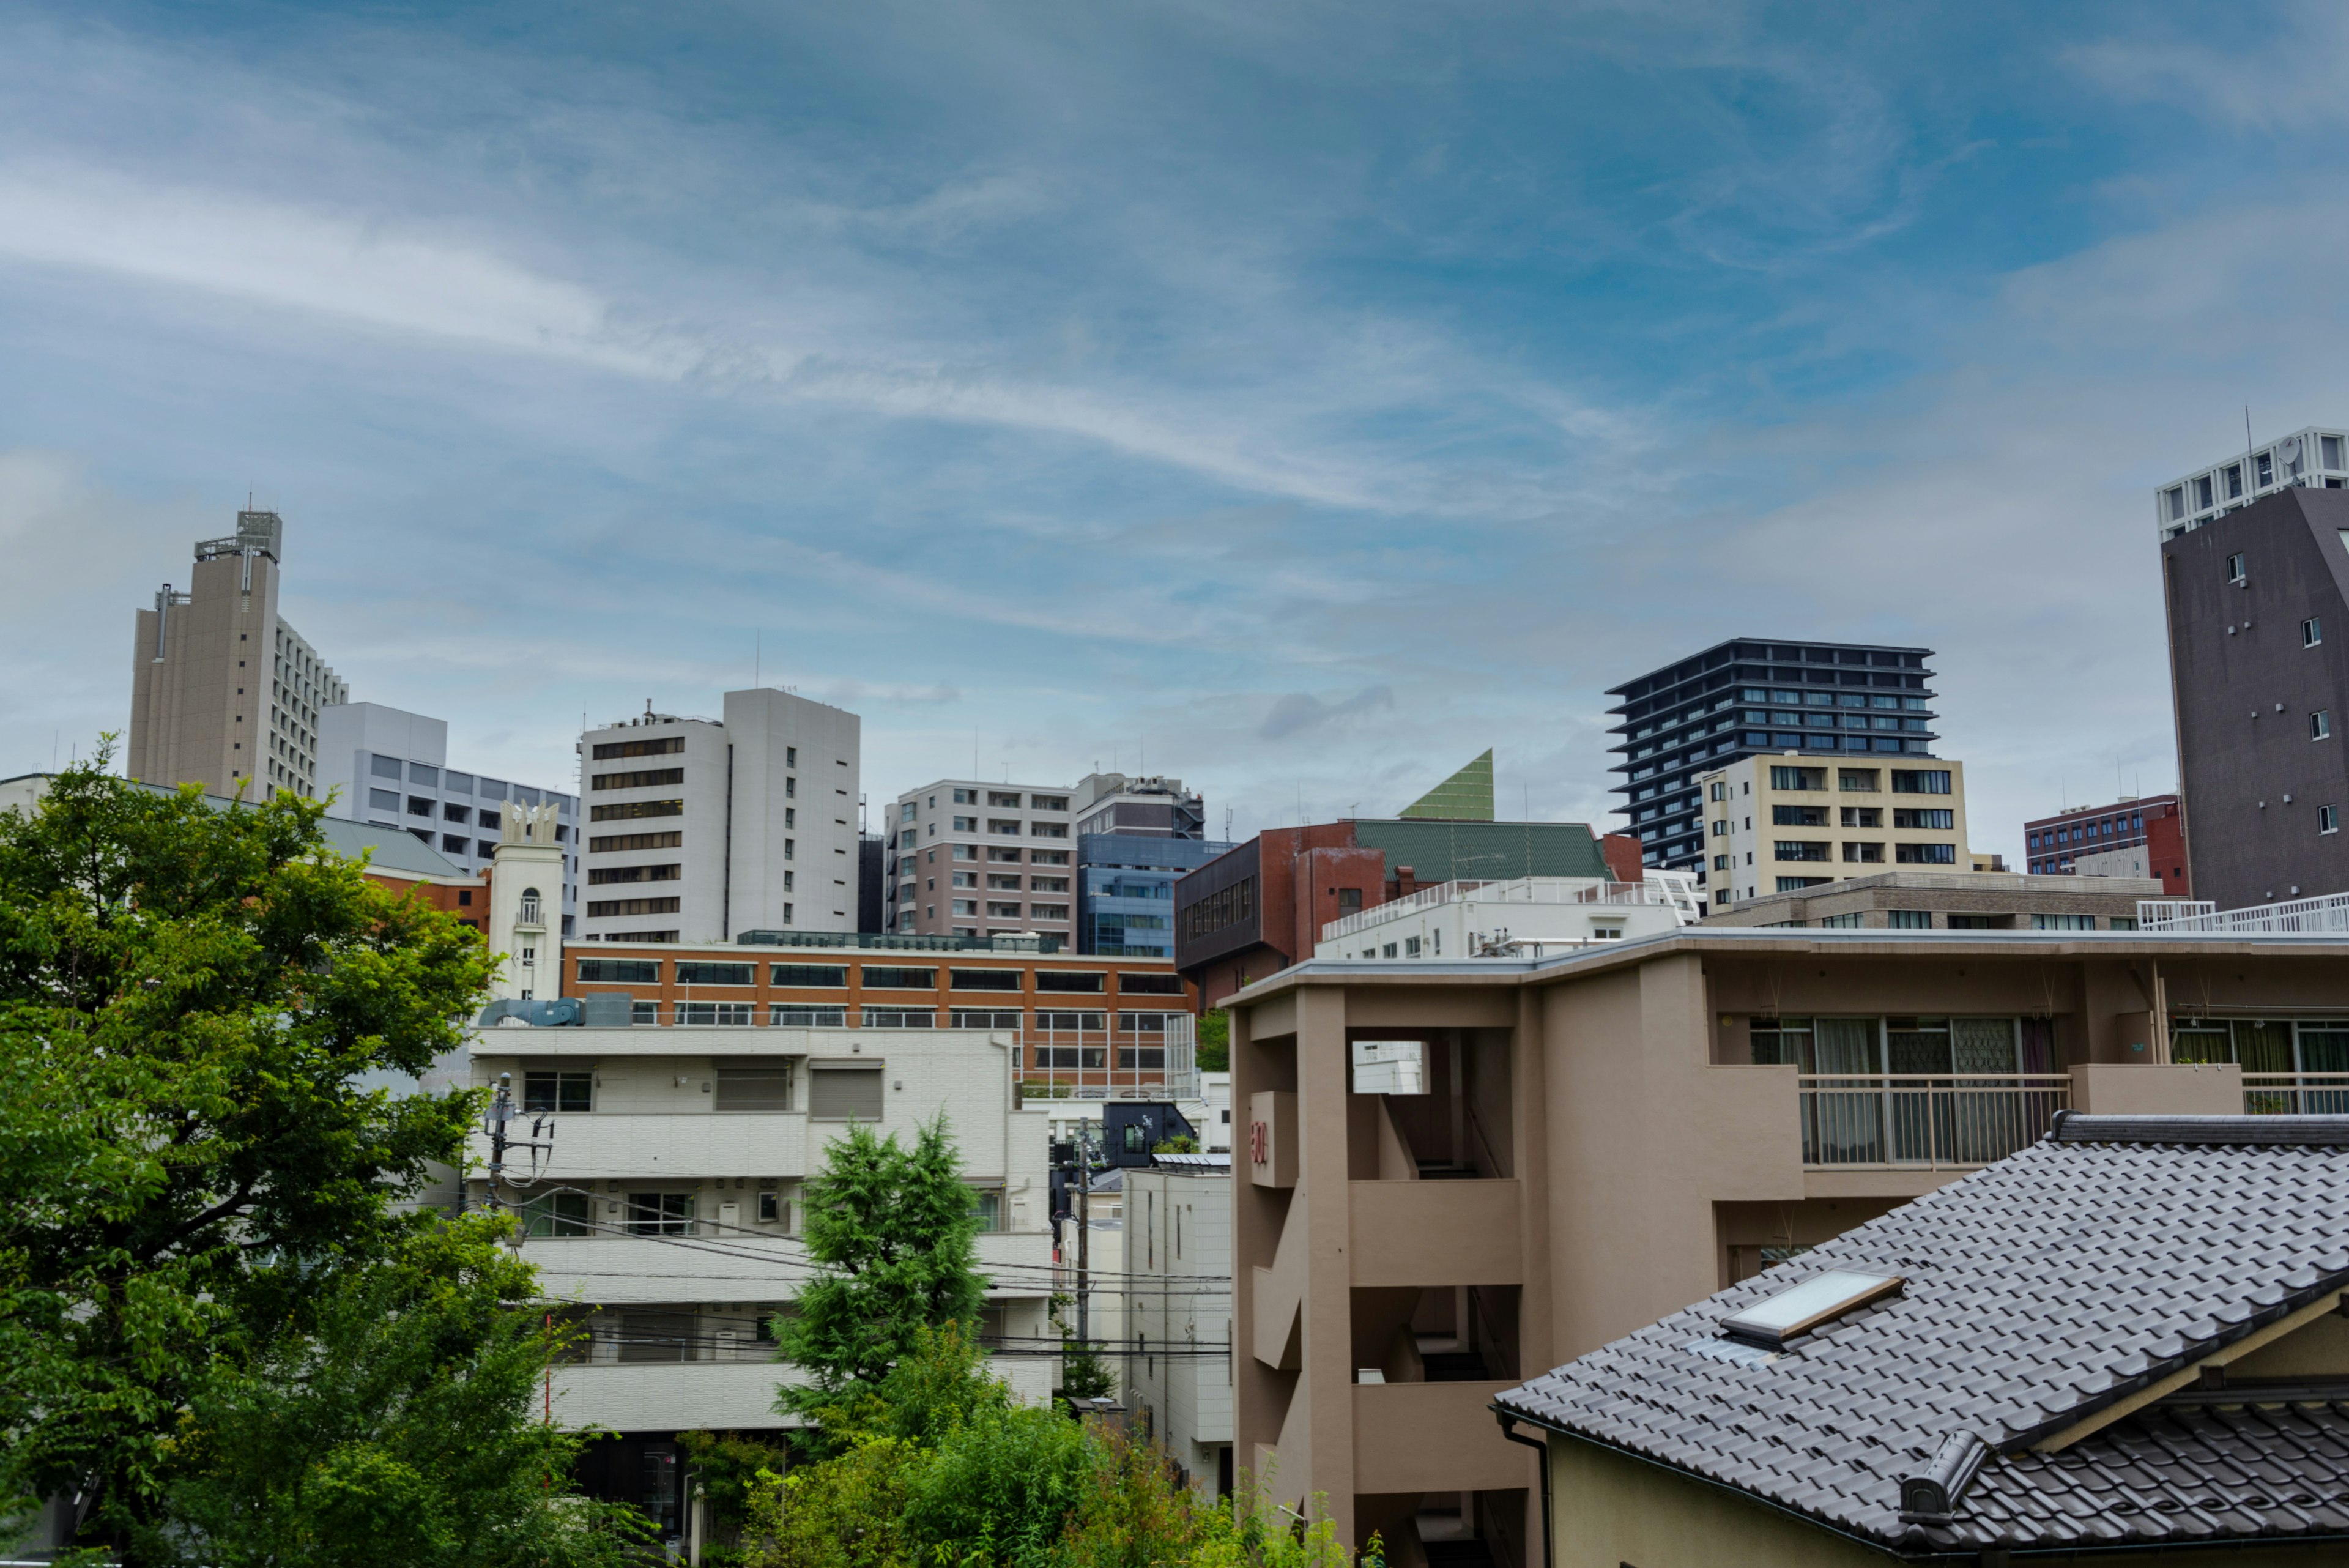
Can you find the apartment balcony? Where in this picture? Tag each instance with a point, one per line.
(704, 1265)
(590, 1146)
(673, 1396)
(1916, 1121)
(1435, 1232)
(2296, 1093)
(1433, 1436)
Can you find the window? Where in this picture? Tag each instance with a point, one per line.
(385, 768)
(2320, 724)
(620, 972)
(557, 1214)
(836, 1093)
(1863, 817)
(667, 746)
(643, 779)
(1721, 828)
(1930, 819)
(1920, 781)
(1796, 884)
(660, 1213)
(771, 1207)
(2238, 568)
(2063, 922)
(1070, 981)
(966, 825)
(736, 1014)
(419, 805)
(2203, 499)
(1799, 1309)
(384, 799)
(1150, 984)
(598, 908)
(905, 810)
(1719, 790)
(983, 1018)
(423, 774)
(900, 1018)
(2234, 476)
(1801, 849)
(628, 809)
(614, 843)
(1721, 862)
(1048, 803)
(983, 979)
(1048, 829)
(1798, 815)
(1909, 919)
(2311, 632)
(558, 1090)
(795, 1017)
(2121, 923)
(454, 843)
(1864, 854)
(1798, 778)
(1072, 1021)
(690, 973)
(986, 1206)
(765, 1086)
(605, 876)
(1061, 912)
(1842, 922)
(892, 977)
(1350, 900)
(810, 974)
(965, 907)
(2328, 819)
(1925, 854)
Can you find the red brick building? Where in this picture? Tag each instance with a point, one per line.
(2156, 826)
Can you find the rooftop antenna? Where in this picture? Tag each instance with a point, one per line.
(758, 640)
(2250, 479)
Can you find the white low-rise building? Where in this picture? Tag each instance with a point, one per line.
(1176, 1316)
(1522, 916)
(667, 1207)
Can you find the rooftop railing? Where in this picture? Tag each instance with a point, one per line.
(2325, 916)
(2296, 1093)
(1554, 891)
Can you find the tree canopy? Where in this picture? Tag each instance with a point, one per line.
(210, 1029)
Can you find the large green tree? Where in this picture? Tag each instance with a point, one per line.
(891, 1232)
(210, 1028)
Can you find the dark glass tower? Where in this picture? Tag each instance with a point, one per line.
(1739, 697)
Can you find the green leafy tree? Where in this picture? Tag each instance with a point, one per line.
(892, 1233)
(204, 1015)
(399, 1432)
(1215, 1041)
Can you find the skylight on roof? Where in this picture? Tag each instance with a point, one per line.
(1799, 1309)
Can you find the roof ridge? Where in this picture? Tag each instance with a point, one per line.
(2308, 1131)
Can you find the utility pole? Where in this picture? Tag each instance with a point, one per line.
(494, 1120)
(1084, 1233)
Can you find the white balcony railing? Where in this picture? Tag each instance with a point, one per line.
(2324, 916)
(2296, 1093)
(1929, 1121)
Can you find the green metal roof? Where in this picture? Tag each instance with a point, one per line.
(1465, 797)
(1483, 851)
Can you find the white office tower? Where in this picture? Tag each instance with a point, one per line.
(390, 767)
(700, 829)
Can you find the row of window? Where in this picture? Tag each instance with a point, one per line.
(642, 778)
(2128, 825)
(1224, 906)
(1927, 818)
(1866, 853)
(1853, 781)
(890, 977)
(1001, 799)
(1000, 827)
(451, 780)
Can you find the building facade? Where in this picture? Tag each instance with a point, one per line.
(2313, 458)
(974, 859)
(1177, 1311)
(2082, 841)
(700, 829)
(1151, 806)
(1263, 905)
(2258, 608)
(1784, 821)
(1734, 699)
(1519, 918)
(1125, 890)
(223, 693)
(1628, 1129)
(389, 768)
(668, 1217)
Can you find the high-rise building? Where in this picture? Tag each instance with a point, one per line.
(2258, 668)
(1738, 698)
(971, 858)
(390, 767)
(699, 829)
(1125, 890)
(1780, 823)
(2131, 838)
(223, 693)
(2313, 458)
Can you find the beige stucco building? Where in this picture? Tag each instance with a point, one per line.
(1608, 1136)
(1782, 822)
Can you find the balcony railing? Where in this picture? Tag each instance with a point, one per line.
(1926, 1120)
(2324, 916)
(1550, 890)
(2296, 1093)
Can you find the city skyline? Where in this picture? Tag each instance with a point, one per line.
(1069, 392)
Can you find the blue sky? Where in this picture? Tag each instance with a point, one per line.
(1300, 398)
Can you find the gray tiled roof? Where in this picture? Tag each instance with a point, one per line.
(2039, 1291)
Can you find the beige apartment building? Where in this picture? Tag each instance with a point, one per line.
(1457, 1176)
(223, 692)
(1782, 821)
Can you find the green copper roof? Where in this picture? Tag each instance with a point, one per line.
(1483, 851)
(1465, 797)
